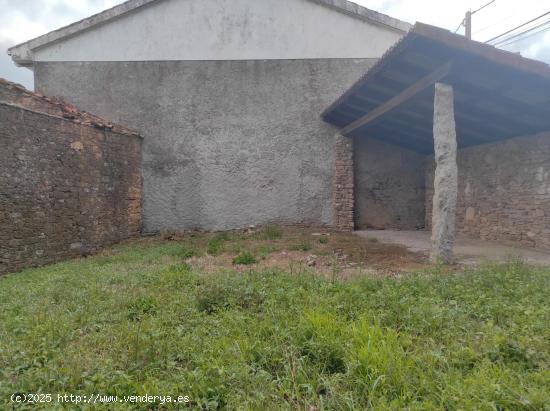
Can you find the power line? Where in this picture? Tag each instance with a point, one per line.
(467, 21)
(525, 37)
(482, 7)
(459, 26)
(518, 27)
(521, 33)
(494, 24)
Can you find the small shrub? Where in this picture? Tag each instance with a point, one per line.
(182, 252)
(372, 240)
(216, 245)
(323, 240)
(270, 232)
(226, 292)
(302, 246)
(213, 297)
(244, 258)
(141, 307)
(264, 250)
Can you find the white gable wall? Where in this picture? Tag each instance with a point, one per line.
(225, 30)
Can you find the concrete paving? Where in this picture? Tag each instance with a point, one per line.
(467, 250)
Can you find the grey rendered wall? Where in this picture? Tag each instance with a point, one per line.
(226, 143)
(389, 186)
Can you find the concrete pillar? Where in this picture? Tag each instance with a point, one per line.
(446, 175)
(343, 184)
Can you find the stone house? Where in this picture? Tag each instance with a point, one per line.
(252, 113)
(227, 94)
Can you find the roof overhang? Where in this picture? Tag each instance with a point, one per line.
(498, 94)
(22, 54)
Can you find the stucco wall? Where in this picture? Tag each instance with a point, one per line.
(504, 191)
(66, 189)
(389, 186)
(226, 30)
(226, 143)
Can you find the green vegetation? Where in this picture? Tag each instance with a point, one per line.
(270, 232)
(216, 245)
(302, 246)
(244, 258)
(183, 252)
(136, 320)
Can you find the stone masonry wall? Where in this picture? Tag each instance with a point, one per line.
(343, 184)
(389, 183)
(504, 191)
(66, 188)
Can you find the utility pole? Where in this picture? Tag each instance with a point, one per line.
(468, 25)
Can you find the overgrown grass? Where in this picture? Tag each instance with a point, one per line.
(269, 232)
(244, 258)
(142, 321)
(302, 246)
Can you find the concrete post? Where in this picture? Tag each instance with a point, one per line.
(446, 175)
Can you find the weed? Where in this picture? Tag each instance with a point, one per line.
(216, 245)
(244, 258)
(323, 240)
(372, 240)
(269, 232)
(182, 252)
(302, 246)
(225, 292)
(141, 307)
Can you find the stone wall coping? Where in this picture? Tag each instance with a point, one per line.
(74, 121)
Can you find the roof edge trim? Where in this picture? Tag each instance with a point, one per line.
(22, 54)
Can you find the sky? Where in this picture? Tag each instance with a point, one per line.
(22, 20)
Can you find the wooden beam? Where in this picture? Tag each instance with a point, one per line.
(399, 99)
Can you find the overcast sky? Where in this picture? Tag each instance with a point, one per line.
(21, 20)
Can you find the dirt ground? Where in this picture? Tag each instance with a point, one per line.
(467, 251)
(296, 249)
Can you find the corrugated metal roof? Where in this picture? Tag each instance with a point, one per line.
(498, 94)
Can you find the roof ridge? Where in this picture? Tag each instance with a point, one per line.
(356, 10)
(21, 53)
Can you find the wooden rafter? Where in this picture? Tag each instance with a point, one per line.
(399, 99)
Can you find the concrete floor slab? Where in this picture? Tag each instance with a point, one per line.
(467, 250)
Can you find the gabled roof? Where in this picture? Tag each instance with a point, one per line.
(498, 94)
(22, 54)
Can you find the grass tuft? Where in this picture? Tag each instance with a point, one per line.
(302, 246)
(244, 258)
(269, 232)
(143, 306)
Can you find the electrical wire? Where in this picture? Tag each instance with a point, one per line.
(520, 34)
(494, 24)
(482, 7)
(473, 12)
(525, 37)
(518, 27)
(459, 26)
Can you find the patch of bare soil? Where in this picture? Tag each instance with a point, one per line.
(330, 254)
